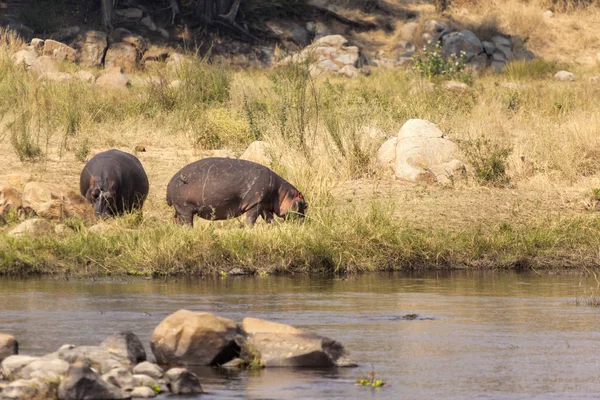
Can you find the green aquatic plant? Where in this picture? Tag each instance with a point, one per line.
(157, 389)
(370, 380)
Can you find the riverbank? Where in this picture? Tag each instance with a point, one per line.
(528, 198)
(491, 229)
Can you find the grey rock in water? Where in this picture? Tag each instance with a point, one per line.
(142, 392)
(195, 338)
(280, 345)
(81, 382)
(149, 369)
(29, 389)
(12, 365)
(120, 377)
(49, 367)
(8, 344)
(126, 346)
(182, 381)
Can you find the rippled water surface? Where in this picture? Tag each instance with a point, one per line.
(478, 335)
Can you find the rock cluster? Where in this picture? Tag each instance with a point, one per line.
(118, 369)
(198, 338)
(50, 202)
(120, 53)
(420, 152)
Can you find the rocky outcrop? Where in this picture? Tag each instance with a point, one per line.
(421, 154)
(182, 338)
(281, 345)
(56, 202)
(463, 42)
(121, 55)
(8, 346)
(91, 47)
(329, 54)
(59, 51)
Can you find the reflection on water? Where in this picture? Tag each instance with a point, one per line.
(477, 335)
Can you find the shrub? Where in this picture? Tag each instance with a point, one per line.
(488, 160)
(433, 64)
(535, 69)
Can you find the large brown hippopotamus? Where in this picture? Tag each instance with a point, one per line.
(220, 188)
(114, 182)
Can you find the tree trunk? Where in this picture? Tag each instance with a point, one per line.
(107, 9)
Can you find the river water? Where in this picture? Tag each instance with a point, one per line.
(492, 335)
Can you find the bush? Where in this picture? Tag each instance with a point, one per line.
(488, 160)
(535, 69)
(433, 64)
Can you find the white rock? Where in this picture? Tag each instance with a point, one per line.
(564, 76)
(24, 57)
(349, 70)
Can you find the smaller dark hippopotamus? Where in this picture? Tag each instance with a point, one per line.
(114, 182)
(220, 188)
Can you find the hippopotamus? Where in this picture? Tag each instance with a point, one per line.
(219, 188)
(114, 182)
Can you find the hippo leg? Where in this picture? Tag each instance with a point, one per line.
(267, 216)
(253, 214)
(184, 217)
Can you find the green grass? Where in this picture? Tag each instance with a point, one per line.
(331, 241)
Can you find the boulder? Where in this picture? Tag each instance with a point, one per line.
(62, 230)
(260, 152)
(113, 79)
(54, 367)
(499, 61)
(138, 42)
(35, 227)
(37, 45)
(43, 65)
(405, 48)
(565, 76)
(463, 41)
(281, 345)
(149, 369)
(548, 14)
(129, 13)
(420, 147)
(8, 346)
(29, 389)
(144, 381)
(121, 55)
(24, 57)
(387, 153)
(195, 338)
(488, 47)
(59, 51)
(95, 356)
(142, 393)
(126, 347)
(10, 198)
(91, 48)
(432, 30)
(155, 54)
(120, 377)
(503, 45)
(56, 202)
(148, 23)
(349, 70)
(182, 381)
(478, 63)
(12, 365)
(81, 382)
(85, 76)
